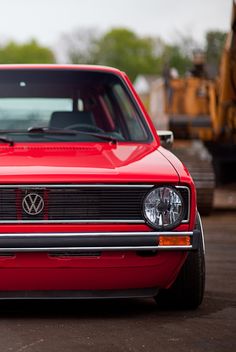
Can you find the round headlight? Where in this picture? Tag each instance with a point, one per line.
(163, 208)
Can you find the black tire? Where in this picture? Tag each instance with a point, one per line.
(188, 289)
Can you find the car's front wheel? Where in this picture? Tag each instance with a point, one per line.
(188, 289)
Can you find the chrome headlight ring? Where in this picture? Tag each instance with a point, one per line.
(163, 207)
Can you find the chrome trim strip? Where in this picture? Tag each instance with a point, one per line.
(175, 247)
(94, 185)
(92, 249)
(19, 222)
(97, 234)
(189, 200)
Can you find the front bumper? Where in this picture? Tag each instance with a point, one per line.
(94, 241)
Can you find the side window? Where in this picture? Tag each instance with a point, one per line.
(129, 114)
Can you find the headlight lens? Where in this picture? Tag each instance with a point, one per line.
(163, 208)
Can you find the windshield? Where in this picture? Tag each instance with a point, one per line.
(85, 101)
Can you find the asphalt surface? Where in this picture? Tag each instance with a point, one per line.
(135, 325)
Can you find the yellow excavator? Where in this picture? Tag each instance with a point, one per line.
(220, 138)
(188, 109)
(202, 114)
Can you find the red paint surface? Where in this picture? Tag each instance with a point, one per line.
(75, 163)
(84, 162)
(109, 271)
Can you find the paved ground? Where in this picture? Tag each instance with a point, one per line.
(135, 325)
(225, 197)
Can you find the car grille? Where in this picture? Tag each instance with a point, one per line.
(80, 203)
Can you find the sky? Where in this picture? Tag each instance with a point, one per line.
(47, 20)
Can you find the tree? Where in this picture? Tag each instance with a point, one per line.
(122, 48)
(134, 54)
(215, 41)
(81, 45)
(30, 52)
(186, 44)
(118, 47)
(174, 57)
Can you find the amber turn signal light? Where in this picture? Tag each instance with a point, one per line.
(174, 241)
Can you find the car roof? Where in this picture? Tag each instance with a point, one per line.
(97, 68)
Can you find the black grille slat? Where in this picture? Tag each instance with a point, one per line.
(100, 208)
(7, 209)
(75, 203)
(97, 204)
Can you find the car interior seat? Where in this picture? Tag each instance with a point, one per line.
(63, 119)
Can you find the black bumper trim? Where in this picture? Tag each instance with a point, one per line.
(72, 242)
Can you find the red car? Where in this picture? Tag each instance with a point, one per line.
(91, 204)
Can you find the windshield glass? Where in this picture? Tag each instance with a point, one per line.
(85, 101)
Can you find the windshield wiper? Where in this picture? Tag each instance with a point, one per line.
(72, 132)
(44, 130)
(60, 131)
(98, 135)
(7, 140)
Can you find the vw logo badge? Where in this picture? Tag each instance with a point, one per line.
(33, 204)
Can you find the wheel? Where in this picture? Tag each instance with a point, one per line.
(84, 127)
(188, 289)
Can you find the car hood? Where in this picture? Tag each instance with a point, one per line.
(87, 162)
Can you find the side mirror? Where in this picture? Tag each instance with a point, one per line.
(166, 138)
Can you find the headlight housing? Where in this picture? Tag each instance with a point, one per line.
(163, 208)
